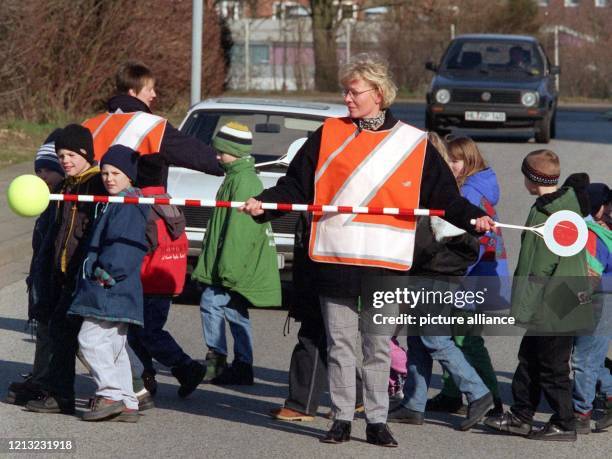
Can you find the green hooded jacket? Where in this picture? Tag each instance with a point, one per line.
(551, 294)
(238, 253)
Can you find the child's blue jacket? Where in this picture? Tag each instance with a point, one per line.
(118, 246)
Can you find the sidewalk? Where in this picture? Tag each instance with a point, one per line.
(16, 243)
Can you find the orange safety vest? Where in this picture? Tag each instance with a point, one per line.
(140, 131)
(367, 168)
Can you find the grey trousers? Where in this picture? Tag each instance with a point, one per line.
(342, 327)
(103, 345)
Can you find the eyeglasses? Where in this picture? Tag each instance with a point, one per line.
(354, 94)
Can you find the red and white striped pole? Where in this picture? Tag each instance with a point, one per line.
(234, 204)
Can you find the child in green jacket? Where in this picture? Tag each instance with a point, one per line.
(550, 297)
(237, 264)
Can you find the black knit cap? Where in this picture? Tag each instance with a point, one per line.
(151, 170)
(123, 158)
(78, 139)
(599, 195)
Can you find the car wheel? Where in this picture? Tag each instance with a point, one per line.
(543, 130)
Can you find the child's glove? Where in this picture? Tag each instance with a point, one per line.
(104, 278)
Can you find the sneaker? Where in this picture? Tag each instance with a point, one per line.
(497, 410)
(103, 409)
(145, 401)
(238, 374)
(380, 435)
(287, 414)
(340, 432)
(148, 379)
(215, 365)
(20, 393)
(51, 404)
(127, 415)
(403, 415)
(551, 432)
(508, 423)
(189, 376)
(583, 423)
(444, 403)
(476, 411)
(606, 421)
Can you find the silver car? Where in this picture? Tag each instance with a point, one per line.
(279, 127)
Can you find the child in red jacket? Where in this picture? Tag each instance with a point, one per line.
(163, 277)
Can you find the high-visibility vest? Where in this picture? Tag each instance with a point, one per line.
(367, 168)
(141, 131)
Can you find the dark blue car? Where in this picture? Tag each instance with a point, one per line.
(489, 81)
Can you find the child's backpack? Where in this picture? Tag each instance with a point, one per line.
(398, 371)
(165, 265)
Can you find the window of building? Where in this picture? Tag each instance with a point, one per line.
(288, 10)
(230, 9)
(572, 3)
(375, 13)
(259, 54)
(543, 3)
(601, 3)
(347, 10)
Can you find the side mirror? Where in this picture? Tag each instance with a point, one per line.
(555, 70)
(292, 150)
(431, 66)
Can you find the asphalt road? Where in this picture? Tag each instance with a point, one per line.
(233, 421)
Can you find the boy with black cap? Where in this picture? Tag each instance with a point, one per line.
(55, 271)
(539, 278)
(47, 167)
(108, 297)
(237, 264)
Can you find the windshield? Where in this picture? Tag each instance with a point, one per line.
(501, 58)
(272, 133)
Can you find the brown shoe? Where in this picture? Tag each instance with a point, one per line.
(287, 414)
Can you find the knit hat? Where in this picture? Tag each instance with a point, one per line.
(123, 158)
(542, 167)
(234, 139)
(151, 170)
(78, 139)
(47, 159)
(599, 194)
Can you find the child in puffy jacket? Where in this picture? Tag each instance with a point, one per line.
(163, 277)
(109, 292)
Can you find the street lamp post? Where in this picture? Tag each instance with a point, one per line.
(196, 51)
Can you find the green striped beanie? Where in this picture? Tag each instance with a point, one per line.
(234, 139)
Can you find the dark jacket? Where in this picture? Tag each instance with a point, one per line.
(551, 294)
(439, 251)
(55, 270)
(117, 245)
(438, 191)
(177, 149)
(305, 296)
(41, 227)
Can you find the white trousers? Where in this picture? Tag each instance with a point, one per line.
(103, 345)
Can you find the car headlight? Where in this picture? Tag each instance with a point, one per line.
(443, 96)
(529, 99)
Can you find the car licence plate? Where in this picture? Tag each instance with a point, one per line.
(485, 116)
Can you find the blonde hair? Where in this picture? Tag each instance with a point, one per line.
(374, 71)
(440, 144)
(465, 149)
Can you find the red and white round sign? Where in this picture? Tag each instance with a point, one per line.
(565, 233)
